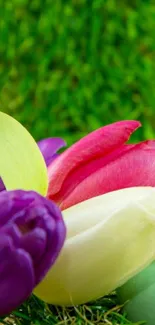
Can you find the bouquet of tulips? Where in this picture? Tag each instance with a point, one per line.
(77, 225)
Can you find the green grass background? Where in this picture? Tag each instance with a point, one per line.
(68, 67)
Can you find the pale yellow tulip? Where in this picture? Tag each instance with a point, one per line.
(110, 238)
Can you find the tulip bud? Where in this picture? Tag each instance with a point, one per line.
(32, 233)
(110, 238)
(88, 168)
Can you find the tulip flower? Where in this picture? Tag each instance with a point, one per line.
(110, 238)
(31, 236)
(99, 163)
(32, 230)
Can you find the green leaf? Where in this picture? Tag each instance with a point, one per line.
(21, 163)
(138, 294)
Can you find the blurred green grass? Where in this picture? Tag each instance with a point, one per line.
(68, 67)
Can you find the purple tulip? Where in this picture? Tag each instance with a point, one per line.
(49, 148)
(32, 233)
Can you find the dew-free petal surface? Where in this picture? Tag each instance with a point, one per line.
(98, 143)
(110, 239)
(21, 162)
(130, 165)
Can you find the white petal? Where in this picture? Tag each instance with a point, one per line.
(113, 239)
(87, 214)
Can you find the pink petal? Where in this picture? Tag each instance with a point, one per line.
(95, 145)
(131, 165)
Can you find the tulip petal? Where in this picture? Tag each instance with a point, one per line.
(98, 143)
(49, 147)
(35, 244)
(77, 219)
(21, 164)
(134, 165)
(16, 275)
(114, 241)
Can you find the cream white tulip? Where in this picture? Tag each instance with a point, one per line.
(110, 238)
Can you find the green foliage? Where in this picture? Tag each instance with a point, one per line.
(101, 312)
(68, 67)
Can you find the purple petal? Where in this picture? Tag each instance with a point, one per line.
(2, 186)
(49, 148)
(35, 243)
(54, 242)
(13, 203)
(16, 275)
(13, 232)
(32, 233)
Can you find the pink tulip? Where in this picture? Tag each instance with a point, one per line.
(101, 162)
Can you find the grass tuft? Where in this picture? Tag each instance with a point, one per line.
(104, 311)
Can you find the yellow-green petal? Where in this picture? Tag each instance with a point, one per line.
(21, 163)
